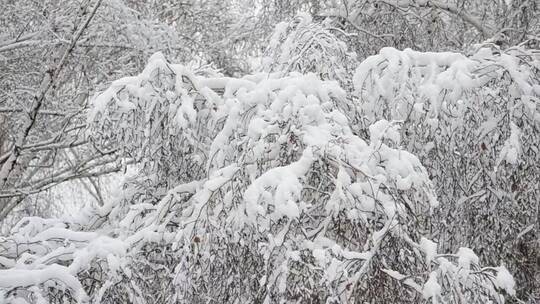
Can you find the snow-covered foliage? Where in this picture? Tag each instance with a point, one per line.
(474, 122)
(252, 189)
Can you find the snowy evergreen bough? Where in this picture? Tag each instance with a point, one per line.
(246, 190)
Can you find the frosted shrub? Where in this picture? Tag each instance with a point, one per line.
(474, 122)
(250, 189)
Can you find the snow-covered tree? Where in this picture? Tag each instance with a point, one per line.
(320, 177)
(251, 189)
